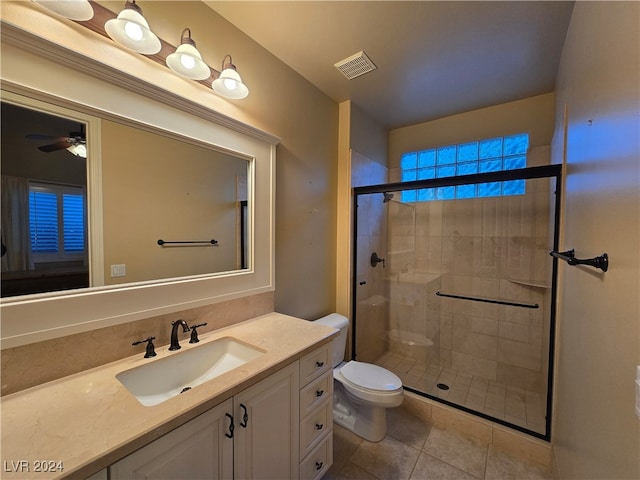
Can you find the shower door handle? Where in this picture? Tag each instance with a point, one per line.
(375, 259)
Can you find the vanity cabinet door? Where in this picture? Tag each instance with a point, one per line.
(197, 449)
(268, 446)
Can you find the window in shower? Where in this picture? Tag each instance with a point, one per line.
(428, 314)
(482, 156)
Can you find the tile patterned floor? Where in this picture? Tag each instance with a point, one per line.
(512, 404)
(416, 450)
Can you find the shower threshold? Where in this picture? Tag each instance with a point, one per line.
(507, 403)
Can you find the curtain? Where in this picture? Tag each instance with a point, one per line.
(14, 228)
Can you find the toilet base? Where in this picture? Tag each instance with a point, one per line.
(366, 421)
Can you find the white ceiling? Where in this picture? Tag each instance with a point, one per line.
(433, 58)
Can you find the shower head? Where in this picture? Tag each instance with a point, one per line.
(387, 197)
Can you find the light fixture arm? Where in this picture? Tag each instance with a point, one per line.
(229, 64)
(132, 5)
(188, 38)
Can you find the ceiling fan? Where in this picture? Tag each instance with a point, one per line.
(75, 142)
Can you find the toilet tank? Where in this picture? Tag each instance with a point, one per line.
(339, 343)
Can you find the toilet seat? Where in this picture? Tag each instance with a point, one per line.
(370, 377)
(370, 383)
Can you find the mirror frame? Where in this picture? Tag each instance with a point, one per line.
(125, 94)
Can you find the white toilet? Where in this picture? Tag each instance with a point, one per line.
(362, 391)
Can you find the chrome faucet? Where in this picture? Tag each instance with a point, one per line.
(174, 333)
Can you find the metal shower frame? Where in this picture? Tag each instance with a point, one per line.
(547, 171)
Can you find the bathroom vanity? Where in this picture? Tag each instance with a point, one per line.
(270, 416)
(100, 423)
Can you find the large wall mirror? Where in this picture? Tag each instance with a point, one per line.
(170, 207)
(180, 134)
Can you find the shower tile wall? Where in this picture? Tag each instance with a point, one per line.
(492, 247)
(371, 293)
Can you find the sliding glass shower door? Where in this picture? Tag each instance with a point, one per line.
(457, 296)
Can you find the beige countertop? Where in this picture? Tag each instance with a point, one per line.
(87, 421)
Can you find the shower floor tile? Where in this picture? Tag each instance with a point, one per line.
(505, 402)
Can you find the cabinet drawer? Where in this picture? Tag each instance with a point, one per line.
(316, 464)
(315, 393)
(315, 364)
(314, 426)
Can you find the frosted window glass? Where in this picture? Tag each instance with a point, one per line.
(467, 168)
(489, 189)
(516, 144)
(409, 160)
(490, 166)
(426, 173)
(466, 191)
(446, 193)
(487, 155)
(447, 155)
(409, 175)
(426, 158)
(448, 171)
(409, 196)
(491, 148)
(515, 162)
(468, 152)
(513, 187)
(426, 194)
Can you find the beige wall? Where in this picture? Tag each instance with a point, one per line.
(533, 115)
(370, 139)
(596, 432)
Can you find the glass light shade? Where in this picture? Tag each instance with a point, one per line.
(229, 85)
(79, 150)
(80, 10)
(131, 30)
(187, 62)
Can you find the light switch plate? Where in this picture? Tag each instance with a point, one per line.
(119, 270)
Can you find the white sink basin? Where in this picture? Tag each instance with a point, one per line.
(167, 377)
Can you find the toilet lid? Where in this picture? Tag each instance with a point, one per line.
(370, 376)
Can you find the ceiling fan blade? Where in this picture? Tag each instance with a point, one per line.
(38, 137)
(55, 146)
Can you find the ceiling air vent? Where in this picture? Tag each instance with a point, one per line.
(355, 65)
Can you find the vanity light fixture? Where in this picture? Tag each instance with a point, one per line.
(131, 30)
(229, 84)
(79, 10)
(187, 61)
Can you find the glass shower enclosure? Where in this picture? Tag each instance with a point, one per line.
(457, 296)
